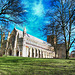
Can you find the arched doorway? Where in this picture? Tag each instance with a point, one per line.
(32, 52)
(39, 53)
(36, 52)
(17, 53)
(28, 52)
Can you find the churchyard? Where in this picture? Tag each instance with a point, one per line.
(36, 66)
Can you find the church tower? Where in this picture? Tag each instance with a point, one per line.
(51, 39)
(8, 39)
(24, 52)
(24, 32)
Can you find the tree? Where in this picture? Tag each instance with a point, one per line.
(62, 23)
(11, 12)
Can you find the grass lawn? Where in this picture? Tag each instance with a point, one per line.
(36, 66)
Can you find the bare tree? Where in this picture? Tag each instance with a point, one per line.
(11, 12)
(62, 23)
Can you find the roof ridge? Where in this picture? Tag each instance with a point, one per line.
(33, 37)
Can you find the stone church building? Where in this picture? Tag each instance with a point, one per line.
(19, 43)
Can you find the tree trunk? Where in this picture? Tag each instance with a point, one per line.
(6, 53)
(67, 54)
(55, 50)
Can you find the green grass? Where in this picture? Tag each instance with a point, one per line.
(36, 66)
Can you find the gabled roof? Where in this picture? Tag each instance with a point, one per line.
(20, 33)
(32, 37)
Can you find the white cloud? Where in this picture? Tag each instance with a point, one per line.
(38, 8)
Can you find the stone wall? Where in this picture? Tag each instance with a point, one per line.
(60, 48)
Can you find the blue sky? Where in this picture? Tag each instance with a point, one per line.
(36, 10)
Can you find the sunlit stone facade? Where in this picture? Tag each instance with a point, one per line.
(19, 43)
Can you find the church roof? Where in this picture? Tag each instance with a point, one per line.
(32, 37)
(20, 33)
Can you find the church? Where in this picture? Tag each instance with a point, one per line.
(21, 44)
